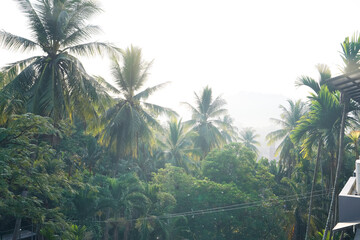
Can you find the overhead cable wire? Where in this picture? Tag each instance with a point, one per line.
(265, 202)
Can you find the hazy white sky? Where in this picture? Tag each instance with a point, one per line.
(234, 46)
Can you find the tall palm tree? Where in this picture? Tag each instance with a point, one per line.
(317, 134)
(318, 126)
(55, 84)
(351, 59)
(248, 136)
(178, 146)
(205, 120)
(130, 120)
(288, 121)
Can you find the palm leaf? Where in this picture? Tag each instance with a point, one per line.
(309, 82)
(35, 23)
(93, 48)
(80, 35)
(145, 94)
(107, 85)
(11, 70)
(16, 43)
(159, 110)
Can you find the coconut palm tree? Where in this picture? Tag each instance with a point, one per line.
(205, 120)
(288, 121)
(231, 133)
(130, 120)
(247, 137)
(55, 84)
(178, 146)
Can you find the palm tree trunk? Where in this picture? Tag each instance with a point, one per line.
(312, 189)
(322, 176)
(116, 232)
(345, 101)
(106, 231)
(18, 219)
(126, 231)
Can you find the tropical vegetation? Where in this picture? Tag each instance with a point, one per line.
(83, 157)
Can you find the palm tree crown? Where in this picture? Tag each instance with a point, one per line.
(248, 136)
(178, 147)
(288, 121)
(205, 120)
(55, 84)
(130, 120)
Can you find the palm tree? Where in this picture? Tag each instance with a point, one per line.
(351, 59)
(318, 127)
(317, 134)
(350, 53)
(231, 132)
(205, 120)
(55, 84)
(353, 136)
(130, 120)
(129, 202)
(9, 105)
(178, 146)
(247, 136)
(288, 121)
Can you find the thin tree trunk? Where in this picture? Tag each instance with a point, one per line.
(332, 224)
(322, 176)
(126, 231)
(342, 235)
(116, 232)
(336, 212)
(18, 219)
(333, 159)
(106, 231)
(345, 101)
(312, 190)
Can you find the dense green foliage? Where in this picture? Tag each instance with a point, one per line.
(82, 159)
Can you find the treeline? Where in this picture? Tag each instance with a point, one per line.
(78, 163)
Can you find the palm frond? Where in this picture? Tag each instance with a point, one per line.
(80, 35)
(145, 94)
(107, 85)
(218, 113)
(35, 22)
(93, 48)
(158, 110)
(192, 109)
(16, 43)
(11, 70)
(309, 82)
(324, 72)
(79, 12)
(276, 135)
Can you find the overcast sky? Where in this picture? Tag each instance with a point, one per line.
(239, 48)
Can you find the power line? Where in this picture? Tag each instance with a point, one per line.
(266, 203)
